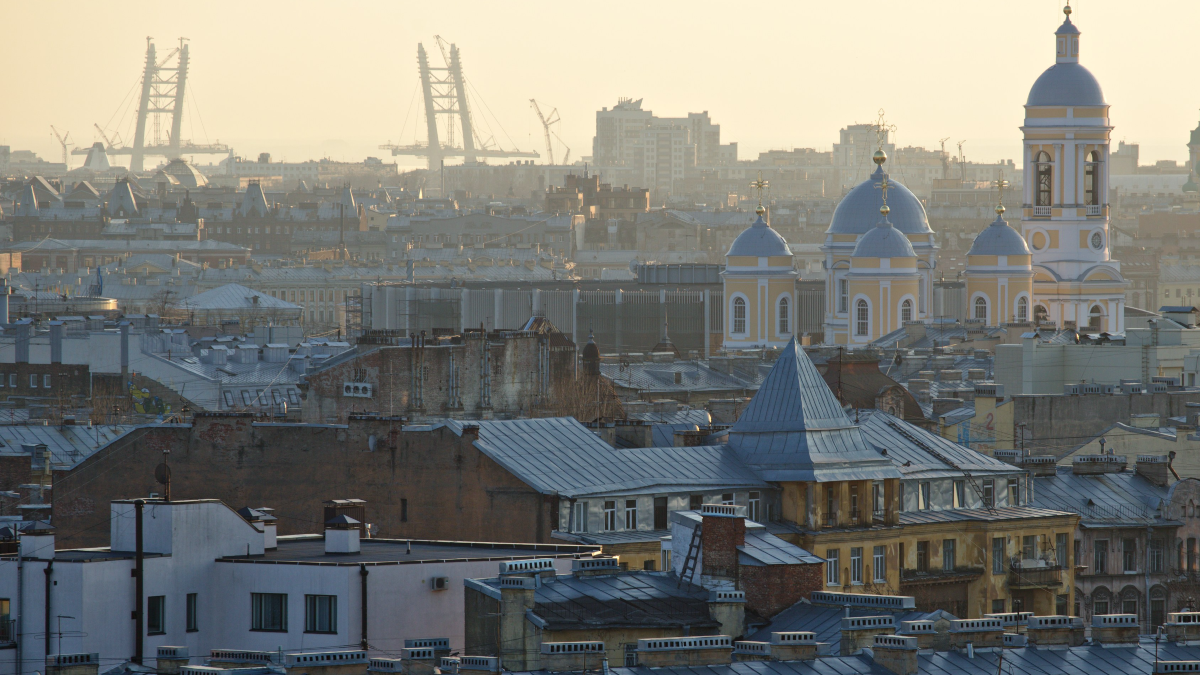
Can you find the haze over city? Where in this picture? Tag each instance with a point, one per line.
(310, 79)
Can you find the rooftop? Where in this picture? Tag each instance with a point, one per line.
(309, 549)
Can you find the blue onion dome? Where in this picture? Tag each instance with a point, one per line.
(858, 211)
(760, 241)
(884, 241)
(999, 239)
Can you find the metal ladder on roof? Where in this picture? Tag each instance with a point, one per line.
(942, 458)
(693, 554)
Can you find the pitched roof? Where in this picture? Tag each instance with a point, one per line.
(794, 397)
(236, 296)
(917, 452)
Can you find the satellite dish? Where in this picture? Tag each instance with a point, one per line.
(162, 473)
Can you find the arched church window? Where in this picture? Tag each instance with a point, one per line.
(1041, 314)
(981, 308)
(1022, 309)
(1045, 180)
(1094, 316)
(784, 323)
(1091, 174)
(739, 315)
(862, 318)
(906, 313)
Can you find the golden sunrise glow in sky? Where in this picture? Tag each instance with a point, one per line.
(305, 79)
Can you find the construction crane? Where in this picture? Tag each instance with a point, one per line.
(945, 158)
(962, 162)
(108, 144)
(548, 121)
(62, 140)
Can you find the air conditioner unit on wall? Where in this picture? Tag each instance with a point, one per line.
(439, 583)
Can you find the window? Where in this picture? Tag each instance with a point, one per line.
(581, 513)
(33, 381)
(1014, 492)
(997, 555)
(879, 566)
(948, 552)
(854, 502)
(906, 313)
(1045, 180)
(1129, 606)
(1100, 605)
(1060, 549)
(1078, 552)
(784, 323)
(610, 516)
(922, 556)
(830, 504)
(665, 559)
(856, 565)
(1022, 309)
(1041, 314)
(246, 397)
(981, 308)
(843, 295)
(862, 318)
(1129, 554)
(1029, 547)
(960, 494)
(660, 513)
(268, 611)
(1191, 554)
(755, 505)
(156, 619)
(1091, 170)
(193, 620)
(631, 514)
(1095, 314)
(998, 606)
(923, 496)
(1157, 557)
(877, 498)
(46, 381)
(989, 492)
(695, 502)
(1100, 559)
(320, 614)
(739, 315)
(831, 567)
(727, 499)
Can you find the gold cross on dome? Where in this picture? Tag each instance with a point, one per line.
(760, 185)
(884, 185)
(1001, 184)
(881, 128)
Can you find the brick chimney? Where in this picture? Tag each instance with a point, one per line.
(706, 650)
(1055, 631)
(896, 653)
(572, 656)
(859, 631)
(1115, 629)
(723, 530)
(170, 660)
(1154, 468)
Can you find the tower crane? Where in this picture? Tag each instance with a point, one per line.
(945, 158)
(547, 122)
(108, 144)
(62, 140)
(962, 162)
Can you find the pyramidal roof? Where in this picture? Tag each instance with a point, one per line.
(794, 429)
(793, 397)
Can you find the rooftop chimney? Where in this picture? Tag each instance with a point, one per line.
(896, 653)
(171, 660)
(37, 541)
(1115, 629)
(723, 530)
(1154, 468)
(860, 631)
(72, 664)
(1046, 631)
(706, 650)
(978, 633)
(572, 656)
(1091, 465)
(56, 341)
(341, 535)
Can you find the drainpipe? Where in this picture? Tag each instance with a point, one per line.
(1146, 574)
(19, 629)
(48, 571)
(139, 587)
(362, 575)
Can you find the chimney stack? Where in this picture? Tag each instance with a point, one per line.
(723, 530)
(705, 650)
(341, 535)
(1092, 465)
(171, 660)
(1115, 629)
(37, 541)
(1154, 468)
(896, 653)
(1046, 631)
(859, 631)
(56, 342)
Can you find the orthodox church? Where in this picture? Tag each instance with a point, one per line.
(881, 258)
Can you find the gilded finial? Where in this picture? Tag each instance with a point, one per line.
(883, 187)
(1067, 9)
(881, 129)
(760, 185)
(1000, 184)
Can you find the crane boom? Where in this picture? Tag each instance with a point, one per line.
(547, 122)
(108, 143)
(62, 140)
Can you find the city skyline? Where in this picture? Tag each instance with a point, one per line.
(788, 76)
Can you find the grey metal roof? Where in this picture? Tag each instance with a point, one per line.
(884, 241)
(236, 297)
(826, 621)
(311, 548)
(624, 599)
(999, 239)
(558, 455)
(914, 459)
(693, 416)
(1066, 84)
(651, 377)
(858, 211)
(795, 429)
(764, 548)
(68, 444)
(760, 240)
(999, 513)
(1102, 499)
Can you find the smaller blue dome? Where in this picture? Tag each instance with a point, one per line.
(759, 241)
(999, 239)
(884, 241)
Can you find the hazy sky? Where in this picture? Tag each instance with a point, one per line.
(304, 79)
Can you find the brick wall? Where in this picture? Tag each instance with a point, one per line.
(67, 381)
(419, 484)
(719, 540)
(773, 588)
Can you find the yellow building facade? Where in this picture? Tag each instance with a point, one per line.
(760, 289)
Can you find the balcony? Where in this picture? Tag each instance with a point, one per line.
(1095, 210)
(1031, 575)
(1041, 211)
(939, 576)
